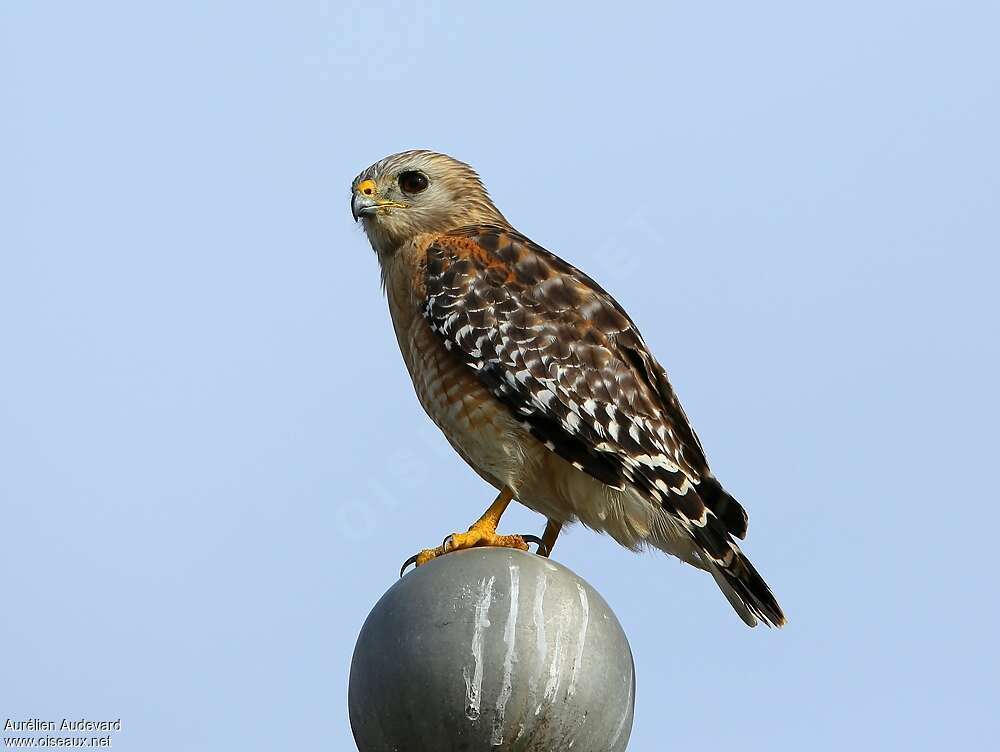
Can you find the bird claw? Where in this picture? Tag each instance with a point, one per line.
(411, 560)
(541, 550)
(448, 545)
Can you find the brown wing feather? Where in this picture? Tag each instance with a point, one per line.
(567, 360)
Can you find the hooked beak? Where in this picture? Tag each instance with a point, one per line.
(362, 206)
(366, 202)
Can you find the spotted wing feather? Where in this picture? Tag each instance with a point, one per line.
(567, 361)
(558, 351)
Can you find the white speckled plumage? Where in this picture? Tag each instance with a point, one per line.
(539, 379)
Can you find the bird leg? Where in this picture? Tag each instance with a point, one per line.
(552, 529)
(482, 533)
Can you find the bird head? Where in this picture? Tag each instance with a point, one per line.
(416, 192)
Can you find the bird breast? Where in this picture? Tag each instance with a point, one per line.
(479, 427)
(486, 435)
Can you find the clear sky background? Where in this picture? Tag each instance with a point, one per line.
(211, 459)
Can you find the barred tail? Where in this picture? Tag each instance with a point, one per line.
(714, 534)
(746, 590)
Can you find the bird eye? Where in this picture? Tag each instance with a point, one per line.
(412, 181)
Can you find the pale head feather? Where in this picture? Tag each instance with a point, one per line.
(455, 197)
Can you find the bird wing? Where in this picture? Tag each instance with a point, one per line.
(567, 361)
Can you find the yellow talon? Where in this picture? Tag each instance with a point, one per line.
(482, 533)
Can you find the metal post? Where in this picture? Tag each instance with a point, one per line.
(491, 649)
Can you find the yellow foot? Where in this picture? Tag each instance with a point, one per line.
(482, 533)
(476, 537)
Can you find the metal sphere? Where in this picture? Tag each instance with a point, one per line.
(491, 649)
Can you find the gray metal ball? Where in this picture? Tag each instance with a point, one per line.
(491, 649)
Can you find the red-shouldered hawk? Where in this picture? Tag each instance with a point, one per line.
(540, 380)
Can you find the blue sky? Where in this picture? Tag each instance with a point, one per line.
(211, 459)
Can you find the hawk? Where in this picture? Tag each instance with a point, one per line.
(541, 382)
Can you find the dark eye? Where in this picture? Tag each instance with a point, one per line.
(412, 181)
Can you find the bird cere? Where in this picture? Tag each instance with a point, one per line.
(541, 381)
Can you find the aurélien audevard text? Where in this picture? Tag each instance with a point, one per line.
(66, 724)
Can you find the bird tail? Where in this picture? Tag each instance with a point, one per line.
(742, 585)
(745, 589)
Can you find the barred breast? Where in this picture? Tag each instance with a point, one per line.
(485, 434)
(478, 427)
